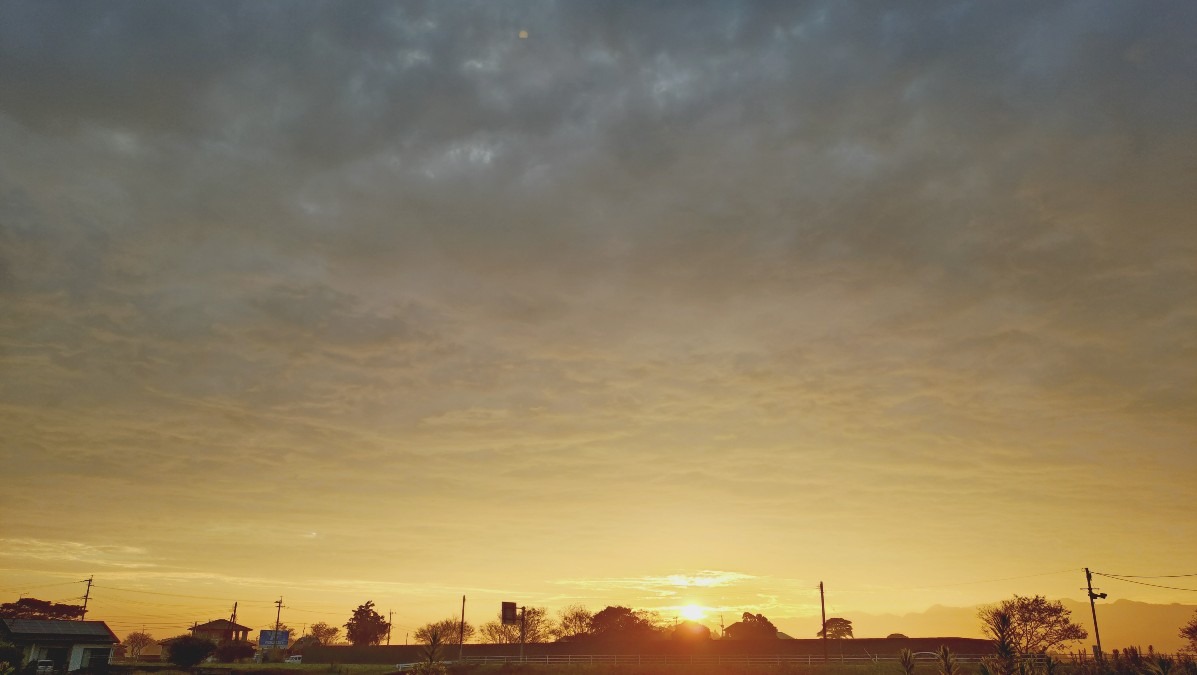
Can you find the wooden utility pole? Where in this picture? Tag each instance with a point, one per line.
(86, 595)
(823, 607)
(461, 631)
(278, 615)
(1093, 608)
(390, 618)
(233, 618)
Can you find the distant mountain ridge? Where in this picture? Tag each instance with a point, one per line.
(1123, 623)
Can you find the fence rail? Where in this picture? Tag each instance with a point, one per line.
(666, 659)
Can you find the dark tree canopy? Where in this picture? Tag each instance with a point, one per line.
(895, 636)
(32, 608)
(751, 626)
(691, 631)
(302, 644)
(187, 651)
(233, 650)
(622, 622)
(837, 629)
(366, 626)
(1036, 625)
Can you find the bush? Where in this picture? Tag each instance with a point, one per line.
(228, 652)
(187, 651)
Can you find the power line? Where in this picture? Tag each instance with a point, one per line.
(982, 581)
(181, 595)
(1146, 576)
(1143, 583)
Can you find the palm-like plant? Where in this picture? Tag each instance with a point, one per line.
(947, 661)
(906, 660)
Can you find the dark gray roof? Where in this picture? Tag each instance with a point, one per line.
(44, 628)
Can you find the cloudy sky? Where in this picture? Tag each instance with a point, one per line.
(691, 303)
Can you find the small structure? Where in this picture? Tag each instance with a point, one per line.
(221, 631)
(71, 645)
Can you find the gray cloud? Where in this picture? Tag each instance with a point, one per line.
(764, 253)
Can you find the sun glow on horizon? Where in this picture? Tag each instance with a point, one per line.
(693, 612)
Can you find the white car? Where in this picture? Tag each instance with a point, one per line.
(295, 658)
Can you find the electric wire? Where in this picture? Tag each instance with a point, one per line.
(1144, 583)
(1146, 576)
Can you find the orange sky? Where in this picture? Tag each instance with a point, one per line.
(653, 307)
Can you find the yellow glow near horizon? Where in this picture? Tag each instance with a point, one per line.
(693, 613)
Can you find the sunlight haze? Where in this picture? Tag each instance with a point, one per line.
(682, 307)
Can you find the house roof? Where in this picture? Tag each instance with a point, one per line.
(220, 624)
(78, 631)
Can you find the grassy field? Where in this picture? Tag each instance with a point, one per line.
(548, 669)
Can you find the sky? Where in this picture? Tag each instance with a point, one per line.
(659, 304)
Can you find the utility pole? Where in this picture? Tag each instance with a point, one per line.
(720, 625)
(278, 615)
(523, 630)
(823, 608)
(86, 595)
(233, 618)
(390, 618)
(461, 631)
(1093, 608)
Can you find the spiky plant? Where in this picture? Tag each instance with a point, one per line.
(946, 661)
(1005, 656)
(906, 660)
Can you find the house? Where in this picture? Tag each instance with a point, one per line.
(220, 631)
(71, 645)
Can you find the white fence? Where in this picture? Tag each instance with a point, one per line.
(667, 660)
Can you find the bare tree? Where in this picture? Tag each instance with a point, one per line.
(1189, 632)
(573, 621)
(434, 636)
(453, 630)
(136, 642)
(537, 625)
(1036, 625)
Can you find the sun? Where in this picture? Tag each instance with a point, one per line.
(693, 612)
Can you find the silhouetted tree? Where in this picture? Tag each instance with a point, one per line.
(366, 626)
(538, 627)
(751, 626)
(187, 651)
(136, 642)
(1189, 632)
(32, 608)
(573, 622)
(896, 636)
(303, 644)
(622, 622)
(837, 629)
(232, 650)
(433, 636)
(451, 628)
(1036, 625)
(324, 633)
